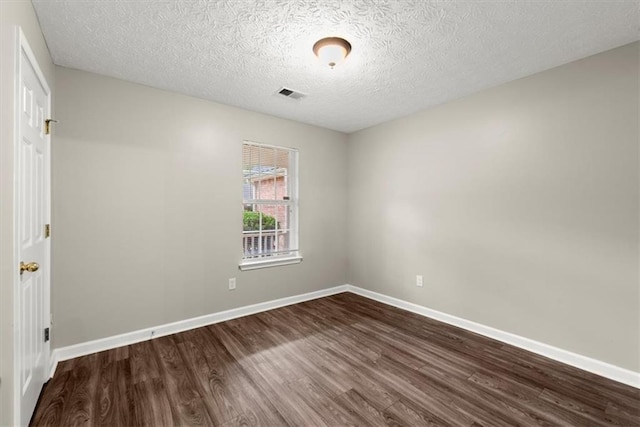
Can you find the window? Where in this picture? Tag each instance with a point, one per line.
(270, 206)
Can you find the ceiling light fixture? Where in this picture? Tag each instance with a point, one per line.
(332, 50)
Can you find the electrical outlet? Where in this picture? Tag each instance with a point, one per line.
(232, 283)
(419, 280)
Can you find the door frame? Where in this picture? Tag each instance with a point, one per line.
(22, 45)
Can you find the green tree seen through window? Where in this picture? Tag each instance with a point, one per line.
(251, 221)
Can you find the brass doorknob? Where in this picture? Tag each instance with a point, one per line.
(30, 267)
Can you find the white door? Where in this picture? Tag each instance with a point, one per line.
(32, 214)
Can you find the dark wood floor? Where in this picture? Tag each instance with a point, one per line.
(340, 360)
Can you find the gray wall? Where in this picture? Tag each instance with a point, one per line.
(147, 203)
(12, 13)
(519, 205)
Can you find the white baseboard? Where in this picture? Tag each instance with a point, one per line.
(585, 363)
(597, 367)
(89, 347)
(53, 363)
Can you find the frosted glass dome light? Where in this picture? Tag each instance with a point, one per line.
(332, 50)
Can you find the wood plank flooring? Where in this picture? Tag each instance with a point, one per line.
(341, 360)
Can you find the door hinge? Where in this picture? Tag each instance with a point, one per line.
(46, 334)
(47, 126)
(47, 230)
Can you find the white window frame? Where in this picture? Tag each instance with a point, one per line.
(292, 179)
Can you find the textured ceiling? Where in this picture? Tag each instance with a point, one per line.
(407, 55)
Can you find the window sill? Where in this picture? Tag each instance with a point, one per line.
(254, 265)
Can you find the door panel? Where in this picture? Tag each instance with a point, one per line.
(32, 213)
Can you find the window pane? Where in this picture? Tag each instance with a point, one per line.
(269, 158)
(266, 231)
(269, 205)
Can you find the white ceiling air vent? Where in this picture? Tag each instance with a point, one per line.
(290, 93)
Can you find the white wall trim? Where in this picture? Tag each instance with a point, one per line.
(597, 367)
(247, 265)
(108, 343)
